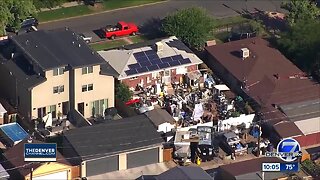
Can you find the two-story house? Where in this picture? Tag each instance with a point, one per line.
(56, 71)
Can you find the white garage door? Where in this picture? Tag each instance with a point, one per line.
(55, 176)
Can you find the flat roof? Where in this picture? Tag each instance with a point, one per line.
(309, 126)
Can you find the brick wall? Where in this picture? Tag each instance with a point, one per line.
(174, 78)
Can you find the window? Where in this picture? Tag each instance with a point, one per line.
(87, 70)
(58, 71)
(84, 88)
(55, 89)
(87, 87)
(99, 106)
(126, 28)
(167, 73)
(58, 89)
(90, 87)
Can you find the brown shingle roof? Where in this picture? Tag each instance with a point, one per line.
(16, 159)
(159, 116)
(287, 129)
(259, 71)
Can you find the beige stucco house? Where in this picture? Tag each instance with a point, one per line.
(56, 71)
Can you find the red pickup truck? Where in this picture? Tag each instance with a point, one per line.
(121, 29)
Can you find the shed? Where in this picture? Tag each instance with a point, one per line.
(163, 121)
(114, 145)
(12, 133)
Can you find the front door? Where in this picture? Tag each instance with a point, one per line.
(81, 108)
(65, 108)
(41, 112)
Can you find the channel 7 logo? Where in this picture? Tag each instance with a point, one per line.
(288, 150)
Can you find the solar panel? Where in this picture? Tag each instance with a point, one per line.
(15, 132)
(145, 63)
(142, 70)
(139, 54)
(156, 61)
(163, 65)
(134, 66)
(177, 57)
(141, 59)
(131, 72)
(166, 59)
(174, 63)
(150, 52)
(153, 56)
(185, 61)
(153, 67)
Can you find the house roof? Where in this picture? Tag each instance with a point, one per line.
(302, 110)
(16, 159)
(287, 129)
(25, 79)
(159, 116)
(125, 59)
(57, 48)
(309, 126)
(185, 172)
(113, 137)
(3, 173)
(260, 69)
(241, 168)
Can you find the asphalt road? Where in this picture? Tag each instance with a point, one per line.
(145, 14)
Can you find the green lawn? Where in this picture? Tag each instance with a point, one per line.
(108, 44)
(137, 39)
(83, 9)
(230, 21)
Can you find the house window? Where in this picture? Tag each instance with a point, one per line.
(90, 87)
(98, 107)
(133, 78)
(87, 87)
(58, 71)
(58, 89)
(87, 70)
(84, 88)
(167, 73)
(148, 79)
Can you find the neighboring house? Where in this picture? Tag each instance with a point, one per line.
(162, 120)
(12, 133)
(154, 62)
(114, 145)
(55, 72)
(289, 101)
(185, 173)
(3, 173)
(19, 169)
(249, 169)
(3, 113)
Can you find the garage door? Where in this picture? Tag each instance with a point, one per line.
(142, 158)
(55, 176)
(103, 165)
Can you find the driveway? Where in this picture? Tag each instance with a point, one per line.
(141, 15)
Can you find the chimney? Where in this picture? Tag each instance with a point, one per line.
(159, 47)
(245, 53)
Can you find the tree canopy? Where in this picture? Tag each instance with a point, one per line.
(192, 25)
(123, 92)
(300, 9)
(13, 11)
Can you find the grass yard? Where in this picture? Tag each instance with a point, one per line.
(83, 9)
(137, 39)
(108, 44)
(230, 21)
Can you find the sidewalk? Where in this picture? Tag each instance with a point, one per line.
(64, 5)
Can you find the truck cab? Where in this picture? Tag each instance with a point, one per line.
(207, 148)
(120, 29)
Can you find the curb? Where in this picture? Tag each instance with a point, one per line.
(107, 11)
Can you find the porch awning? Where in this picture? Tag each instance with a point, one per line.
(194, 75)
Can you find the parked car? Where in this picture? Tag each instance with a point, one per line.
(87, 39)
(207, 146)
(26, 25)
(121, 29)
(232, 144)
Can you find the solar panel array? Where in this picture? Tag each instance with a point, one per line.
(150, 61)
(15, 132)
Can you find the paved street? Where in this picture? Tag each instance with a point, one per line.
(144, 14)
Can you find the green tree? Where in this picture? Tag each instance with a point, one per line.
(300, 9)
(192, 25)
(302, 43)
(123, 92)
(13, 11)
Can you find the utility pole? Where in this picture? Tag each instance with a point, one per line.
(260, 118)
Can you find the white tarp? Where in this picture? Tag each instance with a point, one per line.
(198, 112)
(2, 111)
(48, 120)
(222, 87)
